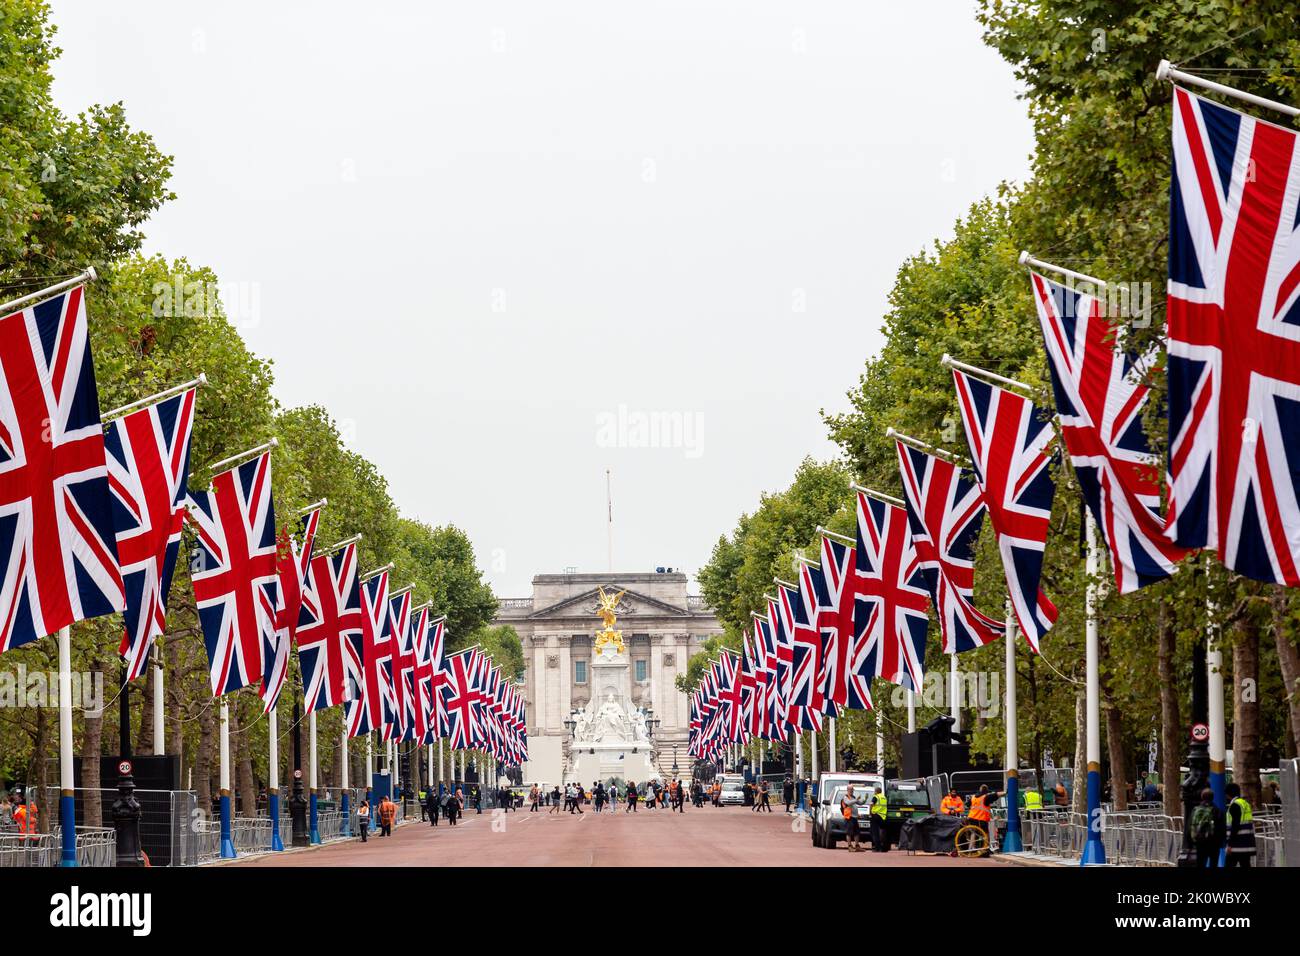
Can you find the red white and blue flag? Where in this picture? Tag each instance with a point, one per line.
(403, 667)
(374, 706)
(945, 510)
(460, 699)
(835, 619)
(1233, 335)
(148, 467)
(1100, 397)
(803, 710)
(329, 631)
(890, 618)
(56, 523)
(1009, 440)
(293, 566)
(236, 584)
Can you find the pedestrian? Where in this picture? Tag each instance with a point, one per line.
(431, 805)
(387, 813)
(681, 797)
(555, 800)
(952, 805)
(478, 799)
(1207, 828)
(631, 796)
(363, 820)
(849, 810)
(787, 793)
(1241, 828)
(981, 808)
(451, 805)
(879, 814)
(717, 792)
(534, 798)
(764, 797)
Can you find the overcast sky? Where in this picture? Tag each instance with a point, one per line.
(510, 245)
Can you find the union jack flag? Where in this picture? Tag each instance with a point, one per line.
(1099, 401)
(329, 631)
(835, 620)
(236, 586)
(60, 563)
(890, 618)
(460, 699)
(781, 614)
(403, 666)
(768, 719)
(434, 701)
(806, 680)
(148, 465)
(373, 707)
(422, 675)
(1008, 441)
(731, 697)
(944, 511)
(1234, 339)
(293, 567)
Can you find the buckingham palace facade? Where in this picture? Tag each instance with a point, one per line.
(662, 627)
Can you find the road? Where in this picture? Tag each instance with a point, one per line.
(727, 836)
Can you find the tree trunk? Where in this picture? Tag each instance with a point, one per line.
(1170, 722)
(1245, 709)
(1288, 656)
(92, 745)
(1080, 796)
(1115, 751)
(203, 759)
(244, 772)
(172, 691)
(37, 774)
(144, 740)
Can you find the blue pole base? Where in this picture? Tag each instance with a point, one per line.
(1011, 841)
(346, 828)
(227, 844)
(1094, 852)
(273, 807)
(68, 825)
(315, 821)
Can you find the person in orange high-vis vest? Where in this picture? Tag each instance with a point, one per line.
(26, 817)
(980, 807)
(952, 805)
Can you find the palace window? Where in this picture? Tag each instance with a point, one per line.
(640, 671)
(580, 672)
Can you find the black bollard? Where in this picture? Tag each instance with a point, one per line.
(297, 801)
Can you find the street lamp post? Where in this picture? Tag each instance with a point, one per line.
(298, 802)
(126, 809)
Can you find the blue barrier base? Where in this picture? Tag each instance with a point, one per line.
(346, 828)
(1011, 842)
(315, 821)
(1094, 853)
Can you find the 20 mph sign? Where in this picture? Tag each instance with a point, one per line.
(1200, 733)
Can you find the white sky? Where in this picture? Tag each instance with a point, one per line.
(472, 230)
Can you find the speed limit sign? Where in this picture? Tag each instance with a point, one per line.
(124, 768)
(1200, 733)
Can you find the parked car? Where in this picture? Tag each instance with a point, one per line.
(733, 793)
(828, 823)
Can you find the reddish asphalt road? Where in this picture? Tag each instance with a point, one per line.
(728, 836)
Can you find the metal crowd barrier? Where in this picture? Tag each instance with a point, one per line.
(19, 849)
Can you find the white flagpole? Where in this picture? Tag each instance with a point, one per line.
(159, 735)
(156, 397)
(1094, 851)
(13, 305)
(911, 711)
(1167, 71)
(345, 782)
(266, 446)
(1214, 712)
(954, 692)
(227, 840)
(314, 820)
(67, 794)
(880, 746)
(1011, 839)
(273, 776)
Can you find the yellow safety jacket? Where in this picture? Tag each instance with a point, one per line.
(880, 806)
(1033, 800)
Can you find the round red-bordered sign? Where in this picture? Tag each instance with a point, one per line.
(124, 767)
(297, 775)
(1200, 733)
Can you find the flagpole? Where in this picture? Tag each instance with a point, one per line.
(1011, 840)
(954, 692)
(67, 783)
(1214, 688)
(314, 824)
(156, 397)
(370, 775)
(1094, 851)
(879, 496)
(911, 711)
(345, 782)
(828, 533)
(243, 455)
(273, 777)
(13, 305)
(227, 843)
(951, 457)
(1167, 71)
(1027, 260)
(337, 545)
(442, 770)
(880, 745)
(830, 745)
(159, 735)
(992, 377)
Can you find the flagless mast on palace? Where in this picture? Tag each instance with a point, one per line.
(603, 702)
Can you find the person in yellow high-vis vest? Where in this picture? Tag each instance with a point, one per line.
(879, 813)
(1033, 799)
(1241, 828)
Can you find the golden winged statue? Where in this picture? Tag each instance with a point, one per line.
(607, 609)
